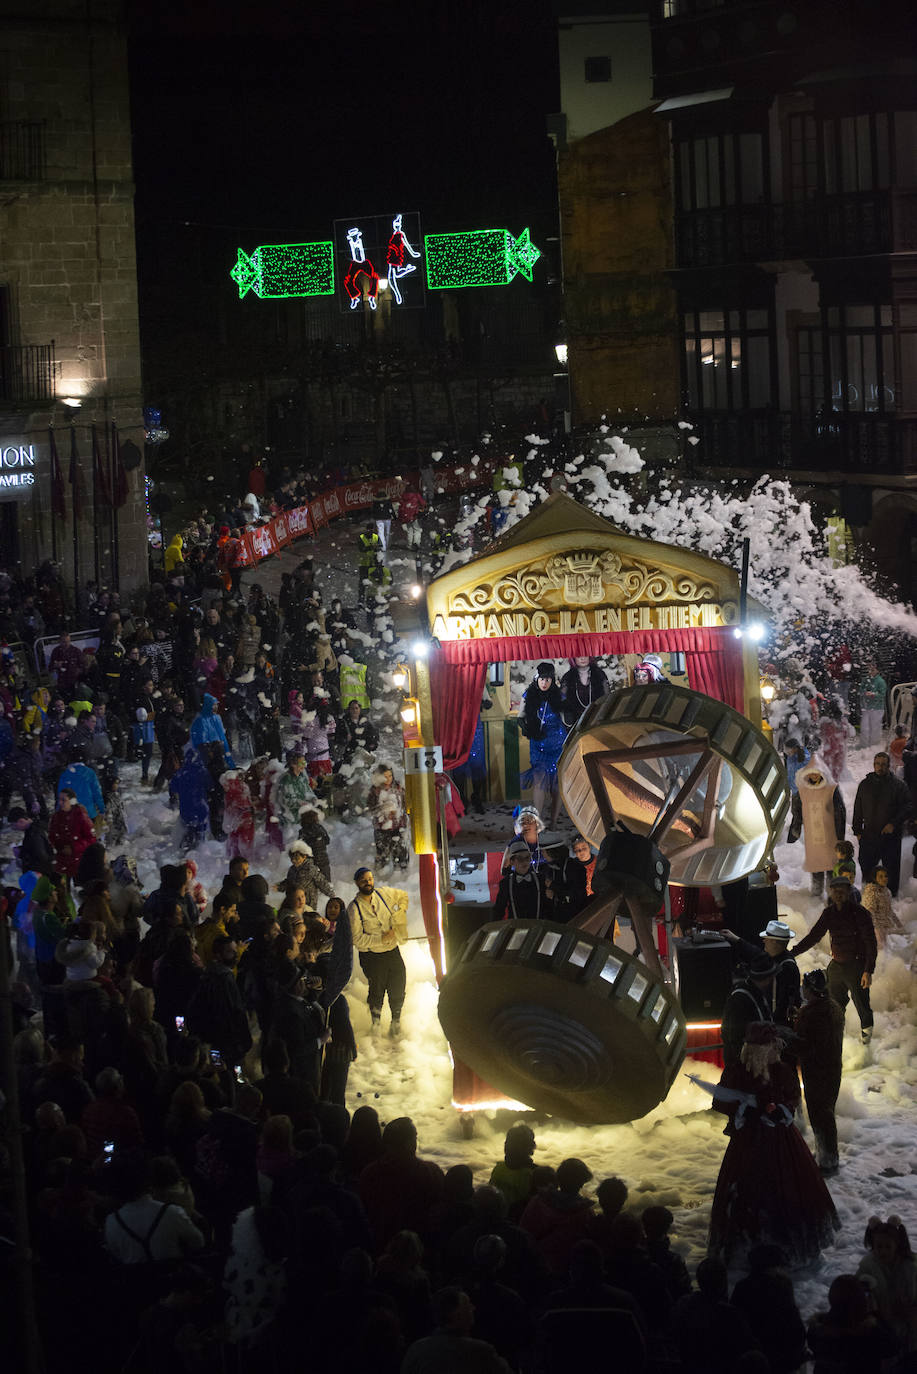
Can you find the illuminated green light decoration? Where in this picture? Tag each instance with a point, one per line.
(277, 270)
(479, 257)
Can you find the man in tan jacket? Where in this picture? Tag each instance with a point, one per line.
(378, 924)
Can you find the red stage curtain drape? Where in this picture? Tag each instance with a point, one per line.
(456, 690)
(713, 658)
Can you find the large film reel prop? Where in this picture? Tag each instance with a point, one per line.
(563, 1021)
(683, 769)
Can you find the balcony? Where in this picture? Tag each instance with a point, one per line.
(27, 375)
(772, 441)
(849, 226)
(22, 150)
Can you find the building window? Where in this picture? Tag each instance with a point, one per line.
(728, 359)
(861, 367)
(597, 68)
(810, 369)
(857, 153)
(802, 140)
(720, 169)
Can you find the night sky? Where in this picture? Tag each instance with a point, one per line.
(278, 118)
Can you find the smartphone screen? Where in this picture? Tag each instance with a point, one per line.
(109, 1148)
(179, 1023)
(214, 1056)
(240, 1077)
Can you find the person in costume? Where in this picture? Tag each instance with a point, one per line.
(543, 723)
(769, 1190)
(582, 684)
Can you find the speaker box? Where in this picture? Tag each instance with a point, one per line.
(703, 976)
(462, 920)
(759, 907)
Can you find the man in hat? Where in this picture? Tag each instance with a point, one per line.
(853, 950)
(378, 924)
(522, 895)
(819, 1031)
(776, 937)
(750, 1000)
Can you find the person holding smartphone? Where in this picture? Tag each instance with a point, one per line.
(216, 1012)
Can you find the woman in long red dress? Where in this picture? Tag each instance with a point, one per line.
(70, 833)
(769, 1190)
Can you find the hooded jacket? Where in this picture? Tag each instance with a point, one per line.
(174, 557)
(191, 785)
(207, 727)
(83, 781)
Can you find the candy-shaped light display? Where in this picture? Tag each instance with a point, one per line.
(478, 257)
(276, 270)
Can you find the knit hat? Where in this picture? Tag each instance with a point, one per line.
(299, 847)
(545, 670)
(839, 880)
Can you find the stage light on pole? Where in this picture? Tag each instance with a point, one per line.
(756, 631)
(420, 648)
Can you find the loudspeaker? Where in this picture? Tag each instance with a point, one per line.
(759, 907)
(703, 976)
(462, 920)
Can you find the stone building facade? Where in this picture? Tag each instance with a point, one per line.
(69, 331)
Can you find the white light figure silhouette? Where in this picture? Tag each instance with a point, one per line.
(398, 266)
(360, 265)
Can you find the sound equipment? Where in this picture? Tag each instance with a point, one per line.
(703, 976)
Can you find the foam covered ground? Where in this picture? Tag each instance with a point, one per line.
(672, 1155)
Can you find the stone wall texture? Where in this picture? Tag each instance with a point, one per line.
(68, 260)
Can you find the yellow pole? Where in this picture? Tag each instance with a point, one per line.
(420, 788)
(751, 681)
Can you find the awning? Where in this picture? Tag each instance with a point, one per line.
(684, 102)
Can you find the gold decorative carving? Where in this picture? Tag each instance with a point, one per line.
(583, 578)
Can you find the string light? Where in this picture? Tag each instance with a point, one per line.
(276, 271)
(478, 257)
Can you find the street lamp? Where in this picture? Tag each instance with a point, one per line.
(560, 353)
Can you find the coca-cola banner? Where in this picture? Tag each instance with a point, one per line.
(260, 541)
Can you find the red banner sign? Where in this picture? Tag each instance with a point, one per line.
(261, 541)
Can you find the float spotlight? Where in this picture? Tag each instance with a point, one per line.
(756, 631)
(420, 648)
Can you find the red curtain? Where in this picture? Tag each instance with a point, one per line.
(713, 659)
(718, 673)
(456, 690)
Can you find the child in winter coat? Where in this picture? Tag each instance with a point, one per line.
(115, 822)
(143, 733)
(238, 815)
(305, 873)
(317, 838)
(386, 806)
(878, 902)
(318, 727)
